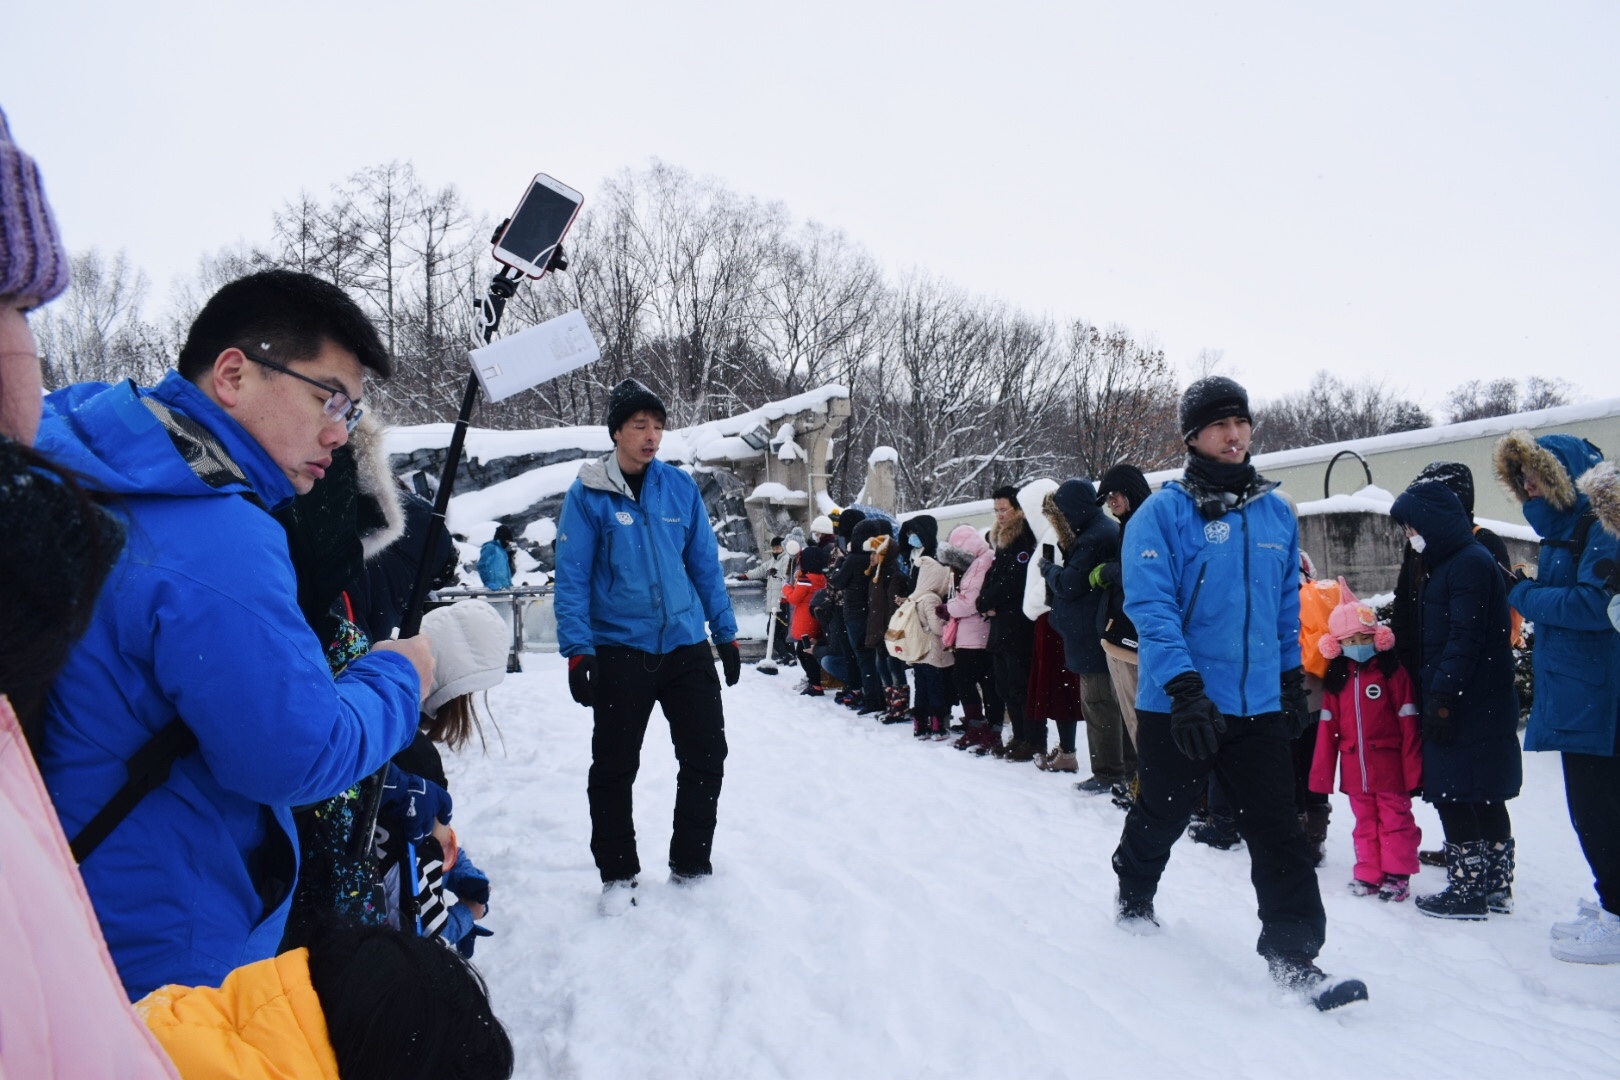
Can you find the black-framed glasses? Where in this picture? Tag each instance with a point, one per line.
(339, 407)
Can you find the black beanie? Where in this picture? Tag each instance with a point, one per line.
(1212, 398)
(1456, 476)
(1128, 481)
(629, 398)
(813, 560)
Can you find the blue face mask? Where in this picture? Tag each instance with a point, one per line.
(914, 540)
(1360, 653)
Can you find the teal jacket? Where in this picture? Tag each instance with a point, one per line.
(199, 619)
(1217, 596)
(641, 573)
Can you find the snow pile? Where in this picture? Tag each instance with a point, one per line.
(1375, 500)
(780, 494)
(882, 453)
(882, 908)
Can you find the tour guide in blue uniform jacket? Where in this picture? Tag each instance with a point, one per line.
(638, 575)
(199, 620)
(1211, 574)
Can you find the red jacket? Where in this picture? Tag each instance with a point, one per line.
(798, 595)
(1372, 723)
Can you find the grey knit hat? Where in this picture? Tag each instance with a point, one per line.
(33, 263)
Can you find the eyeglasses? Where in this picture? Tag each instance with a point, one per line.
(339, 407)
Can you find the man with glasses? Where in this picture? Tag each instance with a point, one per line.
(197, 657)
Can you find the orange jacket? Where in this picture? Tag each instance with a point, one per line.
(264, 1023)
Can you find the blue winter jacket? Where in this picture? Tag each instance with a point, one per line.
(1219, 596)
(1463, 631)
(1577, 653)
(640, 573)
(494, 565)
(199, 619)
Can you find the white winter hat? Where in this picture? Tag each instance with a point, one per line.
(822, 526)
(470, 645)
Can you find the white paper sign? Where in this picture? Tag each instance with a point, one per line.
(555, 347)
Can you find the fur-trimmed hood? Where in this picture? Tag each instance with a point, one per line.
(1006, 534)
(381, 512)
(1069, 509)
(1555, 461)
(954, 557)
(1601, 486)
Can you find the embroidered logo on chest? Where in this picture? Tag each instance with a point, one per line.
(625, 517)
(1217, 532)
(1023, 557)
(1374, 692)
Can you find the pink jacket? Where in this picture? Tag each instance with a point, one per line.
(62, 1008)
(972, 629)
(1370, 726)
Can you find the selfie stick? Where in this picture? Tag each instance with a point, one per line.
(501, 289)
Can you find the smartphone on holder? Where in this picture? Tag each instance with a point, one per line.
(537, 226)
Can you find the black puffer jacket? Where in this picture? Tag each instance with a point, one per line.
(1404, 611)
(1003, 590)
(850, 577)
(1087, 537)
(1462, 628)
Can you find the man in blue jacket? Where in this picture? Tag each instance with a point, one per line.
(638, 576)
(1577, 667)
(1212, 583)
(199, 624)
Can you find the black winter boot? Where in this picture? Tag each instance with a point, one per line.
(1499, 876)
(1298, 974)
(1464, 894)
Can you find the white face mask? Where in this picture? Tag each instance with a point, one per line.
(1417, 543)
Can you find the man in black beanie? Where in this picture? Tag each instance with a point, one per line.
(638, 577)
(1210, 567)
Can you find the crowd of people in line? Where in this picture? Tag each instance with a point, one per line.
(1220, 680)
(219, 737)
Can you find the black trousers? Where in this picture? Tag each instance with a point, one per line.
(1592, 789)
(976, 686)
(1010, 663)
(628, 683)
(1255, 768)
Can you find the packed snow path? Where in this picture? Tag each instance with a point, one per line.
(883, 908)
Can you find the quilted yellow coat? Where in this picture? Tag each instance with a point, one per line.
(264, 1023)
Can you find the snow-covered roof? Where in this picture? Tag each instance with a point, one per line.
(1442, 433)
(717, 440)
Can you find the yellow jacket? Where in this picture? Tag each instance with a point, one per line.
(264, 1023)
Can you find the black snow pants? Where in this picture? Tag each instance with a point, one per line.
(1255, 767)
(628, 683)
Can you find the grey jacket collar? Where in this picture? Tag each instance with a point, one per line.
(604, 474)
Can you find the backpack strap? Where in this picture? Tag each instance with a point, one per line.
(1576, 544)
(148, 770)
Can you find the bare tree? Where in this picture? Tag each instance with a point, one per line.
(1477, 399)
(1332, 410)
(95, 332)
(1122, 400)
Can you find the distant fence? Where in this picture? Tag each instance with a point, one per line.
(528, 610)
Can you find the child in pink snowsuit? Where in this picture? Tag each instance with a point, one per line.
(1370, 725)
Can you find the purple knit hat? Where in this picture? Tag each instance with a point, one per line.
(32, 261)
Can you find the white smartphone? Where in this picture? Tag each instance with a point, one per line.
(537, 226)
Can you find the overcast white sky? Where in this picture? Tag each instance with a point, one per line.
(1421, 190)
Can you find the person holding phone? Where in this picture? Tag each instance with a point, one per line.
(638, 576)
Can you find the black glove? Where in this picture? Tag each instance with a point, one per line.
(730, 661)
(582, 679)
(1609, 574)
(1195, 722)
(1296, 703)
(1440, 719)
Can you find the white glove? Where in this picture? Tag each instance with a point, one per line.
(470, 646)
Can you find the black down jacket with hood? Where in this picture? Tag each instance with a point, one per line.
(1463, 629)
(1087, 536)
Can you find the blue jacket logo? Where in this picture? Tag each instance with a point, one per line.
(1217, 532)
(624, 517)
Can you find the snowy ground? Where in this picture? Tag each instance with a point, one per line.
(887, 909)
